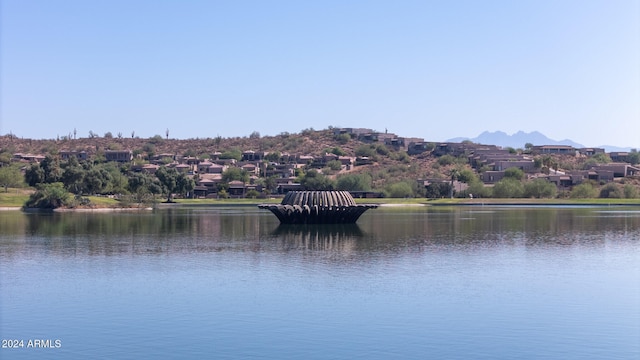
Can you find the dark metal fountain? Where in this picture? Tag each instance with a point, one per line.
(318, 207)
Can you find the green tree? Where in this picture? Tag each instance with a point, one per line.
(73, 176)
(48, 196)
(611, 191)
(478, 190)
(400, 189)
(10, 176)
(467, 176)
(540, 188)
(334, 165)
(141, 183)
(174, 182)
(313, 180)
(634, 157)
(34, 175)
(438, 190)
(354, 182)
(630, 192)
(5, 157)
(273, 156)
(508, 188)
(235, 174)
(366, 151)
(343, 138)
(514, 173)
(584, 191)
(445, 160)
(231, 154)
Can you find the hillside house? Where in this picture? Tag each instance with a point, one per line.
(80, 155)
(554, 149)
(417, 147)
(590, 151)
(118, 155)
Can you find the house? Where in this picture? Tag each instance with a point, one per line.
(207, 185)
(184, 168)
(491, 177)
(417, 147)
(118, 155)
(150, 168)
(250, 168)
(207, 167)
(237, 188)
(80, 155)
(618, 169)
(590, 151)
(251, 155)
(619, 156)
(30, 158)
(554, 149)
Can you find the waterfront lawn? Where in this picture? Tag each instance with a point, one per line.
(13, 198)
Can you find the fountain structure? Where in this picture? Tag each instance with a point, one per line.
(318, 207)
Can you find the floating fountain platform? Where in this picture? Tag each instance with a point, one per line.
(318, 207)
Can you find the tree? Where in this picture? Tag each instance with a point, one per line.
(141, 183)
(583, 191)
(235, 174)
(231, 154)
(453, 175)
(438, 190)
(611, 191)
(48, 196)
(601, 158)
(174, 182)
(313, 180)
(508, 188)
(634, 157)
(334, 165)
(73, 176)
(540, 188)
(399, 190)
(354, 182)
(446, 160)
(467, 176)
(343, 138)
(10, 176)
(630, 192)
(365, 151)
(51, 167)
(34, 175)
(514, 173)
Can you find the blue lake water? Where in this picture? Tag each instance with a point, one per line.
(404, 283)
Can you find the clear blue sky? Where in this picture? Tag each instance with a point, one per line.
(429, 69)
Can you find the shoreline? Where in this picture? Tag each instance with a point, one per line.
(496, 202)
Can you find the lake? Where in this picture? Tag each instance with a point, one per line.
(467, 282)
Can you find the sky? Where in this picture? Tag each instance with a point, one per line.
(430, 69)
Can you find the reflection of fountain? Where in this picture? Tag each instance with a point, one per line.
(340, 237)
(318, 207)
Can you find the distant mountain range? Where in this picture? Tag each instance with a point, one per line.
(519, 139)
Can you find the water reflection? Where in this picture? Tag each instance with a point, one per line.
(240, 229)
(342, 237)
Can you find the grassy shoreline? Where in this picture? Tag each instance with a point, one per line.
(14, 200)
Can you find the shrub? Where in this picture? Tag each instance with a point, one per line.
(584, 191)
(399, 190)
(630, 192)
(540, 188)
(611, 191)
(446, 160)
(508, 188)
(48, 196)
